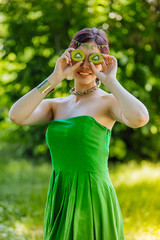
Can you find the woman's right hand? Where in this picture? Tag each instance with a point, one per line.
(63, 67)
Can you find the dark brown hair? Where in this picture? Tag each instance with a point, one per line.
(89, 35)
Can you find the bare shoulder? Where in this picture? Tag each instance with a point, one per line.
(58, 100)
(108, 96)
(105, 103)
(114, 108)
(108, 99)
(55, 102)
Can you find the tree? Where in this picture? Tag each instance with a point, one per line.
(35, 33)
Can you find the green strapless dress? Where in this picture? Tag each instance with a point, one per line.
(81, 201)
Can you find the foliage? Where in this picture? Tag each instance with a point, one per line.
(24, 188)
(35, 33)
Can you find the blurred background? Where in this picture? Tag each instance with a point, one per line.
(33, 34)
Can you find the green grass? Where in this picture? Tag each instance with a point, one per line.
(23, 188)
(23, 192)
(138, 191)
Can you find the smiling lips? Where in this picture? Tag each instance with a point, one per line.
(84, 74)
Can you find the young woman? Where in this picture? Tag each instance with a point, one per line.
(82, 202)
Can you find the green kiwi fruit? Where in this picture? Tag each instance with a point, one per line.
(77, 55)
(96, 58)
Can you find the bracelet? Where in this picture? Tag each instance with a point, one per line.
(50, 91)
(44, 86)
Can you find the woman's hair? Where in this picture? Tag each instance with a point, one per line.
(89, 35)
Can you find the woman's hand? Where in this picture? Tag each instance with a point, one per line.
(63, 67)
(108, 74)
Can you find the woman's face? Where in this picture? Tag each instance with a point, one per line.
(85, 67)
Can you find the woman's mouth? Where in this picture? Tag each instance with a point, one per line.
(84, 74)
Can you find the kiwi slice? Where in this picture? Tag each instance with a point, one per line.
(77, 55)
(96, 58)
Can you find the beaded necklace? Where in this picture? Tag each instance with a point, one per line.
(72, 90)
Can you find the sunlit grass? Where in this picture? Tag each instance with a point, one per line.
(24, 186)
(138, 191)
(132, 173)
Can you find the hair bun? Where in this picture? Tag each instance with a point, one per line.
(94, 30)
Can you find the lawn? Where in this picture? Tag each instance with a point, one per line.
(24, 186)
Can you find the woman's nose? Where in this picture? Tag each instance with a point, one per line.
(86, 63)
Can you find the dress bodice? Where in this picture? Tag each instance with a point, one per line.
(78, 144)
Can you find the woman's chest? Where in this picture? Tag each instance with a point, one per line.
(96, 108)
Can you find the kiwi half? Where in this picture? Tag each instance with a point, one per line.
(77, 55)
(96, 58)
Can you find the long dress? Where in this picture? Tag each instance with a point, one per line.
(81, 202)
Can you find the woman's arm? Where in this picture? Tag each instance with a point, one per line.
(31, 108)
(126, 108)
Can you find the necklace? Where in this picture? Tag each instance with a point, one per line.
(72, 90)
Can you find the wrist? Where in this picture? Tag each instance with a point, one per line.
(54, 80)
(111, 83)
(49, 84)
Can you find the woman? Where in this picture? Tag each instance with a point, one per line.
(82, 202)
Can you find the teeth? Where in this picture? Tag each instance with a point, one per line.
(84, 73)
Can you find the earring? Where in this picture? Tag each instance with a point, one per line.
(98, 82)
(70, 77)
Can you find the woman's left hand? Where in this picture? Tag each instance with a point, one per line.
(109, 69)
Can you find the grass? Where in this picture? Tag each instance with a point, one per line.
(23, 195)
(23, 192)
(138, 191)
